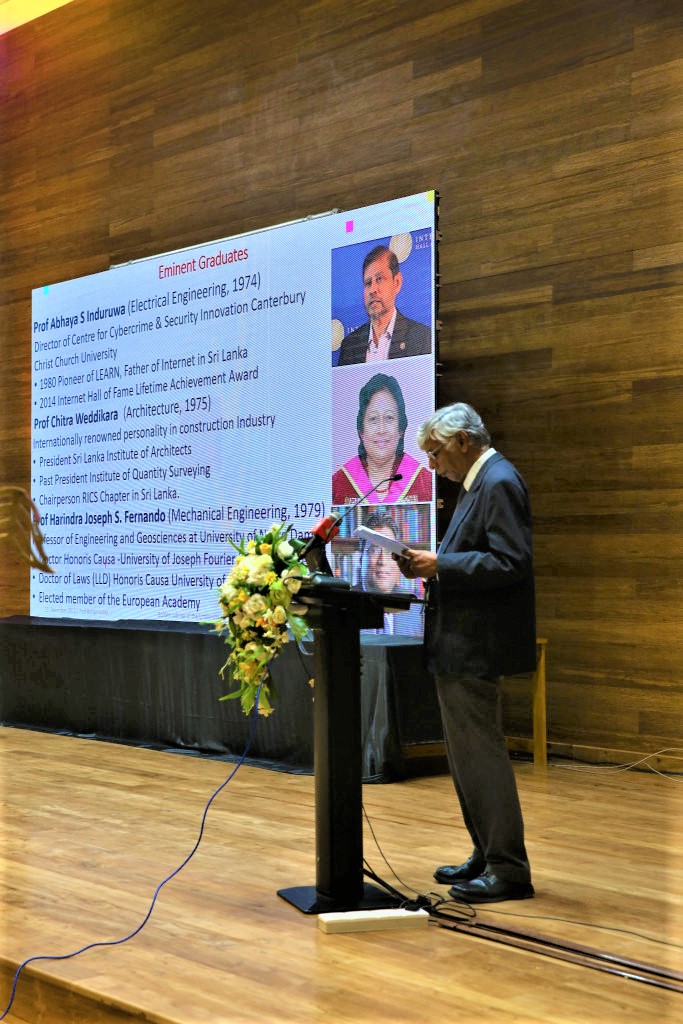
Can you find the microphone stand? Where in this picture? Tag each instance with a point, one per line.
(313, 551)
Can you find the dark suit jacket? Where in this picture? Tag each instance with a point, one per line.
(481, 614)
(410, 338)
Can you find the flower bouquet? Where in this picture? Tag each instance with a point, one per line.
(259, 613)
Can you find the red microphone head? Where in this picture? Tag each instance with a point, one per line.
(328, 528)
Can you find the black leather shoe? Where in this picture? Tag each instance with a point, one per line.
(472, 868)
(490, 889)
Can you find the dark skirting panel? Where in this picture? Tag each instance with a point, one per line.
(158, 684)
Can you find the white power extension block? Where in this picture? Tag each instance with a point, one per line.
(372, 920)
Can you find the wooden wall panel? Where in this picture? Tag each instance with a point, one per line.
(554, 134)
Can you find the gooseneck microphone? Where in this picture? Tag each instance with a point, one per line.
(327, 528)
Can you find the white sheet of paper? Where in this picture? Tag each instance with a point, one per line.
(381, 539)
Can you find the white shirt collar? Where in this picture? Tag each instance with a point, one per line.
(381, 352)
(476, 466)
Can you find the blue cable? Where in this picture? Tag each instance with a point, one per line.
(127, 938)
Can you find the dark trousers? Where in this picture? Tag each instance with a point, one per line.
(482, 773)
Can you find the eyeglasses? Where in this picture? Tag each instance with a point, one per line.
(375, 551)
(435, 452)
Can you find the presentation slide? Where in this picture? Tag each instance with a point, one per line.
(191, 399)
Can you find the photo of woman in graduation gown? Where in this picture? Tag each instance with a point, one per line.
(381, 423)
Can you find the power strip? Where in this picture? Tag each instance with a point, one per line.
(372, 920)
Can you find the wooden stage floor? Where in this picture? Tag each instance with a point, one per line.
(89, 830)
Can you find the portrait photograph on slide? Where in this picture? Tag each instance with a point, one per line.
(368, 566)
(387, 283)
(376, 412)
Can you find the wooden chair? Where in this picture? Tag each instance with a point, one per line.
(19, 524)
(539, 709)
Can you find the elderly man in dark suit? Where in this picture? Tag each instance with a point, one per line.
(480, 624)
(388, 334)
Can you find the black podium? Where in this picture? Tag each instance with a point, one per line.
(337, 614)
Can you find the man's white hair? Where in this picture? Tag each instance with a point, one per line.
(445, 423)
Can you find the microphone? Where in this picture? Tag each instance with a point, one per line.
(324, 531)
(328, 527)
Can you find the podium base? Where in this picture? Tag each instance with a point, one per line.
(307, 899)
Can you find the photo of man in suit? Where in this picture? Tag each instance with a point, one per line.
(388, 334)
(480, 624)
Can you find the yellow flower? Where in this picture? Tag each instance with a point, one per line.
(239, 572)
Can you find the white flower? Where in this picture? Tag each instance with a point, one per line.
(227, 591)
(279, 615)
(254, 606)
(292, 579)
(284, 550)
(259, 566)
